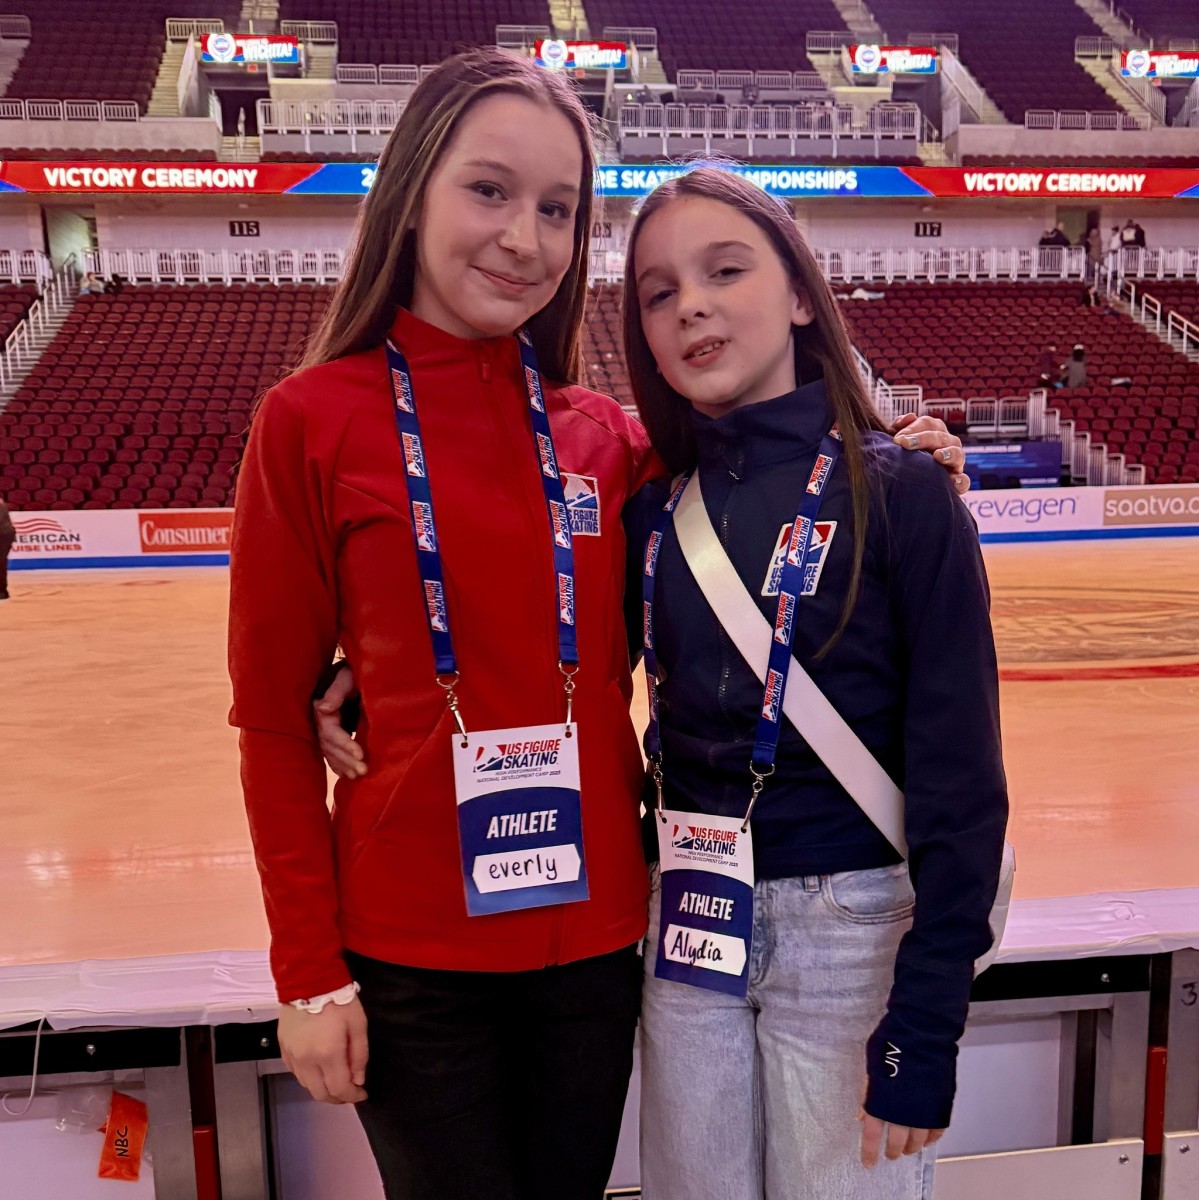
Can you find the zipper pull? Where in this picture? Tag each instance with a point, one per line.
(485, 370)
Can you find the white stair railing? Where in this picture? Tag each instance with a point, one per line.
(1183, 334)
(58, 293)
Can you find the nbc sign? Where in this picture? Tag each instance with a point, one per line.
(896, 60)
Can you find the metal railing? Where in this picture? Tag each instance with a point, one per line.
(218, 266)
(15, 27)
(1190, 108)
(315, 32)
(1157, 262)
(520, 37)
(967, 264)
(793, 122)
(644, 37)
(1078, 119)
(767, 81)
(829, 41)
(946, 41)
(1093, 47)
(69, 110)
(406, 74)
(179, 29)
(1183, 334)
(57, 292)
(374, 117)
(1144, 91)
(967, 86)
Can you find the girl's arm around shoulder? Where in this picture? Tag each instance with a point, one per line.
(282, 631)
(954, 787)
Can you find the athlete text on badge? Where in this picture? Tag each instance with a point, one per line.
(512, 824)
(716, 907)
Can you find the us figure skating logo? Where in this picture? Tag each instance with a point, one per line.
(582, 502)
(566, 599)
(403, 391)
(422, 524)
(699, 839)
(545, 450)
(774, 695)
(435, 603)
(820, 474)
(414, 456)
(818, 551)
(784, 619)
(534, 386)
(561, 524)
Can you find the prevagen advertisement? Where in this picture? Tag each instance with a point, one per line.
(893, 60)
(1159, 64)
(1064, 514)
(233, 48)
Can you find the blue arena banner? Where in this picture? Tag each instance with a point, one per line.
(1007, 465)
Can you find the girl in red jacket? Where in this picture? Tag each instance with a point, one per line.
(436, 495)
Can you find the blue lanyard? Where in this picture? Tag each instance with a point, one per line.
(424, 528)
(795, 563)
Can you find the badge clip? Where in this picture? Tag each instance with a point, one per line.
(760, 778)
(569, 672)
(656, 773)
(448, 683)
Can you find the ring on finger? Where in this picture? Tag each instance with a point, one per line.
(946, 454)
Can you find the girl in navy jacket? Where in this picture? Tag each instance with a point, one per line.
(842, 1045)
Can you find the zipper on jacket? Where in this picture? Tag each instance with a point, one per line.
(735, 464)
(484, 369)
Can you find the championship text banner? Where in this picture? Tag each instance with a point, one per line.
(783, 180)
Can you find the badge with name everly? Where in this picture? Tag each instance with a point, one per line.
(519, 819)
(707, 901)
(520, 824)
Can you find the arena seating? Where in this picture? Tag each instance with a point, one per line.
(1163, 19)
(417, 31)
(1176, 295)
(602, 347)
(142, 399)
(997, 333)
(110, 52)
(1091, 162)
(15, 302)
(92, 154)
(761, 35)
(293, 156)
(1020, 51)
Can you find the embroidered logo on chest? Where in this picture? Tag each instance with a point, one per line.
(822, 539)
(582, 503)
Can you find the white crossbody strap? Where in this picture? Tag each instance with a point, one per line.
(805, 705)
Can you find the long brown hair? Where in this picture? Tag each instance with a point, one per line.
(822, 348)
(381, 270)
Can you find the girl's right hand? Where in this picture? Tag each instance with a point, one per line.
(341, 751)
(326, 1051)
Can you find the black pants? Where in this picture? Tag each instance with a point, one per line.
(6, 541)
(498, 1086)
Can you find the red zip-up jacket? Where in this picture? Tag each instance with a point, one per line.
(323, 554)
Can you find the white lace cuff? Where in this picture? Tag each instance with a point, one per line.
(317, 1004)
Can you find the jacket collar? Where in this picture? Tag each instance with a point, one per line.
(772, 431)
(427, 346)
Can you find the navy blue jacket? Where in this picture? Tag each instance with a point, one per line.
(914, 674)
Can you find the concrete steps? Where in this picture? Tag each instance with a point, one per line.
(40, 340)
(1100, 70)
(164, 99)
(1119, 31)
(249, 152)
(11, 53)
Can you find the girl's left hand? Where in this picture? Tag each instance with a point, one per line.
(900, 1139)
(932, 435)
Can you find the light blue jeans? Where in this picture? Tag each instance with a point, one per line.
(756, 1098)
